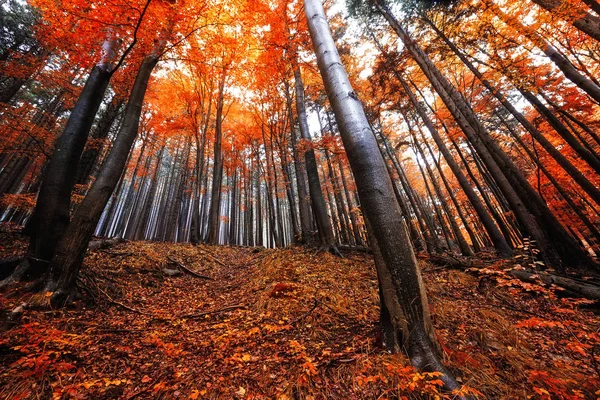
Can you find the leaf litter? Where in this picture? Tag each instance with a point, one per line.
(286, 324)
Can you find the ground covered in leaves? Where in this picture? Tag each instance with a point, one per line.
(286, 324)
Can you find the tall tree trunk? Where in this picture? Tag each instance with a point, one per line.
(424, 219)
(556, 243)
(100, 133)
(304, 206)
(495, 235)
(562, 62)
(66, 263)
(142, 222)
(314, 183)
(405, 313)
(462, 243)
(51, 215)
(214, 221)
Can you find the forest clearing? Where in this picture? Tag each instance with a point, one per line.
(299, 199)
(288, 324)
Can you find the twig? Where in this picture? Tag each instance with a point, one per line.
(120, 304)
(306, 314)
(229, 308)
(147, 387)
(211, 256)
(594, 362)
(340, 361)
(189, 271)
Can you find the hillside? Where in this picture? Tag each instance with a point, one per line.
(289, 324)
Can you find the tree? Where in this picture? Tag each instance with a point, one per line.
(51, 215)
(404, 314)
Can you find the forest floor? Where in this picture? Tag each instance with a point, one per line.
(286, 324)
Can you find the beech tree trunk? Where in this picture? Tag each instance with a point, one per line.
(557, 245)
(573, 171)
(51, 215)
(314, 183)
(214, 221)
(66, 263)
(405, 314)
(90, 155)
(562, 62)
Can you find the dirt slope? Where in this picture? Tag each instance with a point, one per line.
(285, 324)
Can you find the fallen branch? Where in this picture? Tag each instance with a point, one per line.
(451, 262)
(576, 287)
(120, 304)
(358, 249)
(104, 243)
(580, 287)
(215, 259)
(229, 308)
(189, 271)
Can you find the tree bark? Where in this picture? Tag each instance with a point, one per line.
(562, 62)
(499, 241)
(531, 211)
(573, 171)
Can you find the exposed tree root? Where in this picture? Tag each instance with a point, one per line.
(17, 274)
(225, 309)
(13, 317)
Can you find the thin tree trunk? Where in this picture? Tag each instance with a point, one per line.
(563, 63)
(499, 241)
(584, 21)
(215, 200)
(573, 171)
(314, 183)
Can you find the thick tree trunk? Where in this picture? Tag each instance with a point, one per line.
(66, 263)
(51, 215)
(100, 133)
(404, 302)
